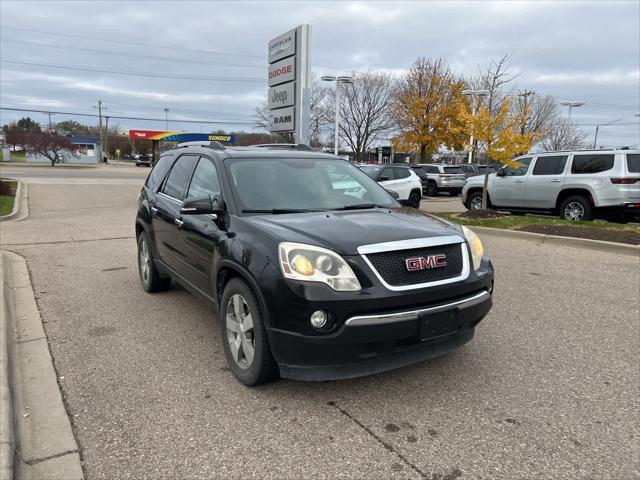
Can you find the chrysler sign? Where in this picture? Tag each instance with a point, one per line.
(282, 46)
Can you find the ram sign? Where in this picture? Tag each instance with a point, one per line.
(289, 79)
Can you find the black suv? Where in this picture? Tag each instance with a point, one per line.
(316, 271)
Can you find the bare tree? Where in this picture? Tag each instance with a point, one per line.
(563, 135)
(365, 110)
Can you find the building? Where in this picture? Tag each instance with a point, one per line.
(88, 152)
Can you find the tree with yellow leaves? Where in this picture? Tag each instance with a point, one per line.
(429, 109)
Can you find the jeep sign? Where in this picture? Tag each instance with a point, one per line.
(282, 71)
(282, 120)
(282, 95)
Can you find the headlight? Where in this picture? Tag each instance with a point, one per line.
(476, 247)
(314, 264)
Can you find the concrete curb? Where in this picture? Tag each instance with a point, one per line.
(7, 429)
(16, 203)
(44, 444)
(583, 243)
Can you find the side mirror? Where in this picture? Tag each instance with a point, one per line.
(501, 173)
(383, 179)
(202, 205)
(395, 195)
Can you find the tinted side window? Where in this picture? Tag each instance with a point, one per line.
(388, 173)
(520, 170)
(205, 179)
(176, 184)
(159, 171)
(550, 165)
(594, 163)
(633, 162)
(401, 173)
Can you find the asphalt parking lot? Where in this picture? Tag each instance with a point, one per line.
(549, 388)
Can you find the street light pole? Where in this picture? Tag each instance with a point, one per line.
(338, 80)
(166, 119)
(474, 94)
(571, 105)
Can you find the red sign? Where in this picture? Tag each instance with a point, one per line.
(146, 134)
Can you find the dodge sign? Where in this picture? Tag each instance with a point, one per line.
(282, 71)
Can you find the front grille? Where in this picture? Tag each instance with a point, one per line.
(391, 266)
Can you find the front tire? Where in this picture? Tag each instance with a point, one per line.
(575, 209)
(244, 337)
(474, 202)
(414, 199)
(149, 276)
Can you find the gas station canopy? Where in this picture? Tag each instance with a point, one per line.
(180, 136)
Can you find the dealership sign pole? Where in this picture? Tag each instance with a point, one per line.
(290, 83)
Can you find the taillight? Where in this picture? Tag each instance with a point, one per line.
(625, 181)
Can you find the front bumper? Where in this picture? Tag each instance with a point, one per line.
(376, 329)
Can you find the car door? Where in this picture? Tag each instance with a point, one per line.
(200, 234)
(545, 181)
(403, 182)
(386, 178)
(509, 187)
(167, 219)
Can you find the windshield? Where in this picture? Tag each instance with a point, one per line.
(371, 170)
(293, 185)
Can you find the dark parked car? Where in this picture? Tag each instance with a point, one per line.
(144, 160)
(474, 169)
(312, 278)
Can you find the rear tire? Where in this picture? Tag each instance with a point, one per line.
(432, 189)
(244, 337)
(576, 208)
(414, 199)
(149, 276)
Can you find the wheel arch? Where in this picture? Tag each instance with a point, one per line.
(478, 189)
(570, 192)
(229, 269)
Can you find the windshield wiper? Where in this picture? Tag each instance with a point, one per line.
(360, 206)
(275, 211)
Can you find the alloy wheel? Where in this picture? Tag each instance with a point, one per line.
(240, 333)
(476, 203)
(574, 211)
(145, 259)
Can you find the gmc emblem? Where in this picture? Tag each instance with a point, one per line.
(422, 263)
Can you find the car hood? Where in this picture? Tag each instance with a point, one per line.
(478, 179)
(344, 231)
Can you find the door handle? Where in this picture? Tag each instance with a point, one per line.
(519, 181)
(556, 180)
(154, 210)
(178, 222)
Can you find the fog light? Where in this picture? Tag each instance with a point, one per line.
(318, 319)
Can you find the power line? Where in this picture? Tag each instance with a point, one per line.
(213, 122)
(211, 52)
(138, 74)
(120, 54)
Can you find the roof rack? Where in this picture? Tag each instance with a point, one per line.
(284, 146)
(213, 145)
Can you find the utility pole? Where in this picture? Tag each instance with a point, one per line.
(100, 108)
(166, 119)
(524, 95)
(49, 114)
(106, 141)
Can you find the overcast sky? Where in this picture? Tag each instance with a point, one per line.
(575, 50)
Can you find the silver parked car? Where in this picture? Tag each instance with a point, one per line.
(440, 178)
(575, 185)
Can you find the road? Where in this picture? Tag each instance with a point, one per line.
(549, 387)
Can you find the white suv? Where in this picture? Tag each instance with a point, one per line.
(397, 178)
(575, 185)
